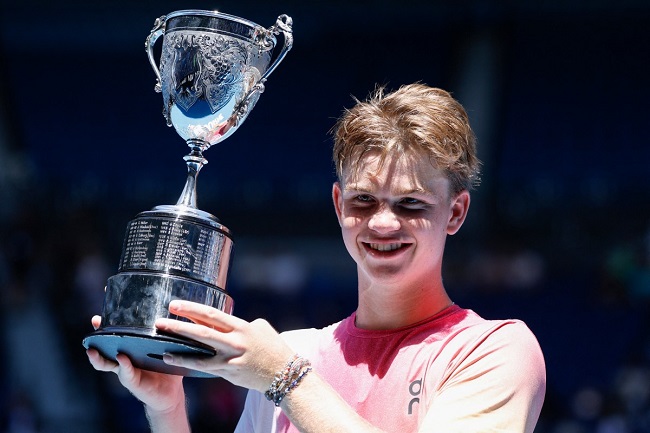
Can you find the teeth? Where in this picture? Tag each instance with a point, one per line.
(385, 247)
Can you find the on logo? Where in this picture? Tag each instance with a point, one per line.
(415, 388)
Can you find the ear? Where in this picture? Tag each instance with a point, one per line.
(458, 212)
(337, 198)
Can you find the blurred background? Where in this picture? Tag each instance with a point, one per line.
(558, 234)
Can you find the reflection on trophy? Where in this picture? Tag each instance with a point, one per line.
(213, 68)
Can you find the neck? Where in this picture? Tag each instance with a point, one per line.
(391, 306)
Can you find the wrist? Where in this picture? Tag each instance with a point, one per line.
(168, 420)
(179, 407)
(287, 379)
(170, 407)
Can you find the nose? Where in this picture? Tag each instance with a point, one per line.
(384, 220)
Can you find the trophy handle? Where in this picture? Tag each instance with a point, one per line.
(282, 25)
(157, 31)
(264, 38)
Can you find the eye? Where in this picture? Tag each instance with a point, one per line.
(410, 200)
(360, 200)
(363, 200)
(411, 203)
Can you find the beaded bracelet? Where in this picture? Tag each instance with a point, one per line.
(287, 379)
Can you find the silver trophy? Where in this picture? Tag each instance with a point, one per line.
(213, 67)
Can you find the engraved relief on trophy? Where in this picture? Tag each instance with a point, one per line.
(206, 79)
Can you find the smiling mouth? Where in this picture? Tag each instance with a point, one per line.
(385, 247)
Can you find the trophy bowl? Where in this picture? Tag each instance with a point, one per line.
(213, 68)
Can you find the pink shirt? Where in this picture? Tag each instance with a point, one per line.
(456, 372)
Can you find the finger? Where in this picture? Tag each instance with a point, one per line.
(126, 371)
(99, 362)
(96, 321)
(207, 364)
(199, 321)
(193, 331)
(202, 314)
(205, 315)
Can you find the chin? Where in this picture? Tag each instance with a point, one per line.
(386, 275)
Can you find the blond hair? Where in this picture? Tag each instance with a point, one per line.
(415, 117)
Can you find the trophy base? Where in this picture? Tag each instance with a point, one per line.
(146, 351)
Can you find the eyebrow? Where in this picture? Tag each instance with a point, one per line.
(358, 188)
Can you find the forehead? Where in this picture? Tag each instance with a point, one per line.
(410, 170)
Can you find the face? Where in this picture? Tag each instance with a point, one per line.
(395, 218)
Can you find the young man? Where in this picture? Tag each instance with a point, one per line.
(408, 359)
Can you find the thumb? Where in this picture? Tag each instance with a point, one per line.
(126, 372)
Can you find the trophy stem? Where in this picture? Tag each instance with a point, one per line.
(195, 161)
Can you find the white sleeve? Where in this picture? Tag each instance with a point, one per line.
(258, 415)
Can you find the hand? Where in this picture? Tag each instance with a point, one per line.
(249, 354)
(159, 392)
